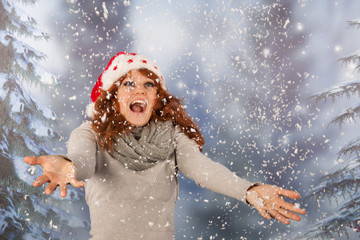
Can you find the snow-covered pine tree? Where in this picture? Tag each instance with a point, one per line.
(27, 128)
(343, 183)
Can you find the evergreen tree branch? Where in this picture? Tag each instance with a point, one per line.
(337, 91)
(20, 25)
(27, 129)
(347, 216)
(349, 115)
(335, 225)
(344, 180)
(27, 2)
(354, 59)
(354, 23)
(352, 147)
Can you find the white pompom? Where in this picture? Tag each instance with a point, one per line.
(90, 108)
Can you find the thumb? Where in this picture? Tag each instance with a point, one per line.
(32, 160)
(72, 173)
(77, 183)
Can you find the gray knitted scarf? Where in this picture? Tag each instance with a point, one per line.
(145, 146)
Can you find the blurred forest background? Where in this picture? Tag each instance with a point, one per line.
(255, 76)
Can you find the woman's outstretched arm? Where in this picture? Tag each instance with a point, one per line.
(216, 177)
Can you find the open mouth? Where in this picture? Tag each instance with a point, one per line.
(138, 106)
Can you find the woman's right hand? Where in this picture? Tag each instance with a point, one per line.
(56, 171)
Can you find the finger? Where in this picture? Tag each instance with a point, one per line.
(50, 188)
(63, 190)
(293, 208)
(261, 210)
(275, 214)
(263, 213)
(77, 183)
(289, 193)
(40, 180)
(33, 160)
(289, 215)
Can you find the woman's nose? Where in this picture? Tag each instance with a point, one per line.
(139, 88)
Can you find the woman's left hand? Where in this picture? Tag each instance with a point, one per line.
(268, 201)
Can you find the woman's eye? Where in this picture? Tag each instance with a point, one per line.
(149, 84)
(129, 84)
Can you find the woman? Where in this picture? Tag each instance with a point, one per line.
(129, 153)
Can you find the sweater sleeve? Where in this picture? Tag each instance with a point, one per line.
(82, 149)
(207, 173)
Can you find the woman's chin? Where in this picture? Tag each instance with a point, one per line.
(137, 119)
(138, 124)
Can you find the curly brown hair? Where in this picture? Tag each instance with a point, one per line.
(108, 123)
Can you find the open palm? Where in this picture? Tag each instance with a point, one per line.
(267, 199)
(56, 171)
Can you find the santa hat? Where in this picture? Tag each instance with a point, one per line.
(119, 66)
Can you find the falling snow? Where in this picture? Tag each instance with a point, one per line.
(246, 69)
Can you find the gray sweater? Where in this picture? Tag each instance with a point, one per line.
(127, 204)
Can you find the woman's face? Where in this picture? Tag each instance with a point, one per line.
(137, 96)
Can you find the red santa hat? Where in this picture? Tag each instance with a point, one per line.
(120, 65)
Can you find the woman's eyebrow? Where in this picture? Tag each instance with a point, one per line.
(149, 80)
